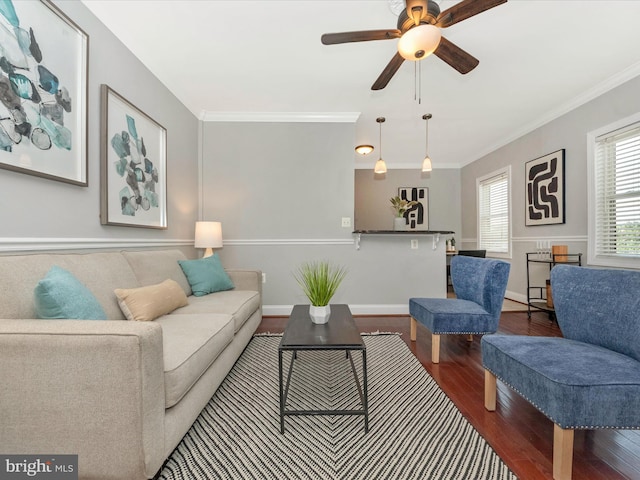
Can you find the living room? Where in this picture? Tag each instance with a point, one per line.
(280, 184)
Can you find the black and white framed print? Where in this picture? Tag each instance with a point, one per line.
(545, 197)
(417, 217)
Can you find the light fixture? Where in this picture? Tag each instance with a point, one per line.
(419, 42)
(380, 166)
(364, 149)
(426, 163)
(208, 236)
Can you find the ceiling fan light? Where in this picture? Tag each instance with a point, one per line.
(426, 164)
(419, 42)
(380, 166)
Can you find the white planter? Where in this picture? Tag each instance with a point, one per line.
(399, 224)
(319, 315)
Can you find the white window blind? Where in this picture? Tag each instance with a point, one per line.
(617, 192)
(493, 213)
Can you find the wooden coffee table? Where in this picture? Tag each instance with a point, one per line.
(339, 333)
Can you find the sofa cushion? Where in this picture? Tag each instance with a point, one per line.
(240, 304)
(570, 381)
(191, 343)
(100, 272)
(206, 275)
(61, 295)
(154, 266)
(150, 302)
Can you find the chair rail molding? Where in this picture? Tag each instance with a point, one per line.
(288, 241)
(31, 244)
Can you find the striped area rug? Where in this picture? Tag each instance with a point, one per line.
(416, 432)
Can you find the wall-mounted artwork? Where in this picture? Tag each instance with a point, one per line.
(44, 60)
(417, 217)
(134, 165)
(545, 189)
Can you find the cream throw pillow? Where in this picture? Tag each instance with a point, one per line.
(148, 303)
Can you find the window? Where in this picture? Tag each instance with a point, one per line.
(614, 223)
(494, 219)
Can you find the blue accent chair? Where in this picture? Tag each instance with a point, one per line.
(588, 379)
(479, 285)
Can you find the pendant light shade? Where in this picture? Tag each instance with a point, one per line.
(380, 166)
(419, 42)
(426, 163)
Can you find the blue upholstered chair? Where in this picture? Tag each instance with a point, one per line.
(479, 285)
(588, 379)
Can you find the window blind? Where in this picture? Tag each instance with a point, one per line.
(493, 219)
(617, 192)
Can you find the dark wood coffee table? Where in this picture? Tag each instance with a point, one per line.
(339, 333)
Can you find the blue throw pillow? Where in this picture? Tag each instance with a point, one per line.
(61, 295)
(206, 275)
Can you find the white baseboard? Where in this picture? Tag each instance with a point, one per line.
(401, 309)
(516, 297)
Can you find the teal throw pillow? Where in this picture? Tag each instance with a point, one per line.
(206, 275)
(61, 295)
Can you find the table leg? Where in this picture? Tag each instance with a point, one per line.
(366, 393)
(281, 391)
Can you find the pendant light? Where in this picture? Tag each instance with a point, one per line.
(380, 166)
(426, 163)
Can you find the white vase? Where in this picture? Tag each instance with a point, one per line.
(399, 224)
(319, 315)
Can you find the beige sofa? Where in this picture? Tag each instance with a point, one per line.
(120, 394)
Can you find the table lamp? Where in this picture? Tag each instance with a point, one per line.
(208, 236)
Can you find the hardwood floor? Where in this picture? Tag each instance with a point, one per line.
(521, 435)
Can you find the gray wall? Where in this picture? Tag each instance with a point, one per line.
(40, 213)
(372, 193)
(280, 191)
(569, 132)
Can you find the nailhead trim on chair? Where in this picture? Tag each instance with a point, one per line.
(581, 427)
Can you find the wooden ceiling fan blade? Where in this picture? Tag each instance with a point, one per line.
(465, 9)
(455, 56)
(362, 36)
(388, 72)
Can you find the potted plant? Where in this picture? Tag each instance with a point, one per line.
(400, 206)
(319, 281)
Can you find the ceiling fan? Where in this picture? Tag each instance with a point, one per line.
(418, 29)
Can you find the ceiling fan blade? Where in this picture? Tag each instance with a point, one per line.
(465, 9)
(388, 72)
(455, 56)
(363, 36)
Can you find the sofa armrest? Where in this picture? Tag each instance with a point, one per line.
(246, 279)
(91, 388)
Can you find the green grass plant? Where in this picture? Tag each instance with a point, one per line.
(319, 281)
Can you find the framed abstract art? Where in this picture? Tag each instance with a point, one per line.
(43, 80)
(417, 217)
(544, 190)
(133, 165)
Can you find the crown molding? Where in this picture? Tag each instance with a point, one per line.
(603, 87)
(284, 117)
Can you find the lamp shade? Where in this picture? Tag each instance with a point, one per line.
(380, 167)
(426, 164)
(419, 42)
(209, 236)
